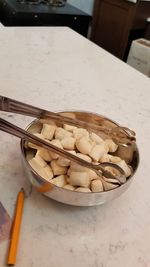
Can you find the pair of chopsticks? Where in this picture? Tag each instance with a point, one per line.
(12, 253)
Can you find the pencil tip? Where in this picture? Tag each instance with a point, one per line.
(22, 189)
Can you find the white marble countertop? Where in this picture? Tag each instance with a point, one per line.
(55, 68)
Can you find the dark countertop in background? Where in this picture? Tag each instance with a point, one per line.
(42, 8)
(13, 13)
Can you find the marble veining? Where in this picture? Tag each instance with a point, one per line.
(57, 69)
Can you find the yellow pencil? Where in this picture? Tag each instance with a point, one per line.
(11, 259)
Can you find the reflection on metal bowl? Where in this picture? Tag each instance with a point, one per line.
(73, 197)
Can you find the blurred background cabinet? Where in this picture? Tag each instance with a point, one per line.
(25, 13)
(117, 22)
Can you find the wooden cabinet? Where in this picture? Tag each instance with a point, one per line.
(113, 22)
(147, 34)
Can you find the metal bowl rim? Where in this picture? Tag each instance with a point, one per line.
(61, 188)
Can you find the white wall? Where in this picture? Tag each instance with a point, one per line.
(85, 5)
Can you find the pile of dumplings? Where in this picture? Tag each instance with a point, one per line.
(67, 174)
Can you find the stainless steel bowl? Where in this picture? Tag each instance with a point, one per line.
(78, 198)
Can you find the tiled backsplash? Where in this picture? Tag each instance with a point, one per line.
(85, 5)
